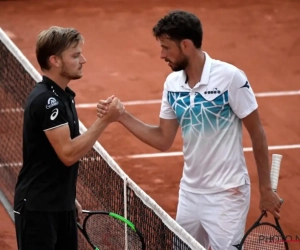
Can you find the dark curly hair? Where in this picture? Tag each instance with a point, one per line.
(178, 25)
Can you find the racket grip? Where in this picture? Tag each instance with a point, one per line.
(276, 161)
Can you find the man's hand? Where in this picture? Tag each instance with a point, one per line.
(78, 210)
(102, 106)
(271, 202)
(110, 109)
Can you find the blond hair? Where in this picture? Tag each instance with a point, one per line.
(54, 41)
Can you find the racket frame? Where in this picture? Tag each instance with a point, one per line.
(275, 169)
(90, 213)
(257, 224)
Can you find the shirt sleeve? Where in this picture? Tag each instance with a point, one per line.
(166, 111)
(49, 111)
(241, 96)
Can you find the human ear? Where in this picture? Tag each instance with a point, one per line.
(55, 61)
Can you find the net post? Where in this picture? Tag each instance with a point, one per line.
(125, 212)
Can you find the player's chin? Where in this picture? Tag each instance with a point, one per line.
(171, 66)
(176, 68)
(77, 76)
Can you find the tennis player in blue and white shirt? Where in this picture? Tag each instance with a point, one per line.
(210, 100)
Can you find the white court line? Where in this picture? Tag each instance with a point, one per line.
(179, 153)
(12, 164)
(19, 164)
(11, 110)
(158, 101)
(155, 155)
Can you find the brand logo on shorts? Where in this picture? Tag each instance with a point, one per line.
(51, 103)
(54, 114)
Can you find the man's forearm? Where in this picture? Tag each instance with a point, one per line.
(79, 146)
(151, 135)
(261, 155)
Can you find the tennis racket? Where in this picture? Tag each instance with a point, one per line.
(106, 230)
(265, 235)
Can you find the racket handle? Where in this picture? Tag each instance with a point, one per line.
(276, 161)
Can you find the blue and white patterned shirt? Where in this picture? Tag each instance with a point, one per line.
(210, 119)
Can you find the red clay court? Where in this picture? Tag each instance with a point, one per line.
(260, 37)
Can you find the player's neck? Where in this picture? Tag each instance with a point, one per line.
(58, 79)
(195, 68)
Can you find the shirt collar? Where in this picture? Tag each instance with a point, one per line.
(57, 89)
(205, 72)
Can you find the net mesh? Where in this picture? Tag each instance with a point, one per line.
(264, 237)
(100, 182)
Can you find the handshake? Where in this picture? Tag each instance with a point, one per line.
(110, 109)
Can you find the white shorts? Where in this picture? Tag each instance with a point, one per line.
(215, 220)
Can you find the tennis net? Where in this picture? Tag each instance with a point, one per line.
(115, 192)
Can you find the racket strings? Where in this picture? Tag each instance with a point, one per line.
(108, 233)
(264, 237)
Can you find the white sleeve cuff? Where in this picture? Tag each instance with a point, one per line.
(56, 126)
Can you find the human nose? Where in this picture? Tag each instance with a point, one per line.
(163, 54)
(83, 60)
